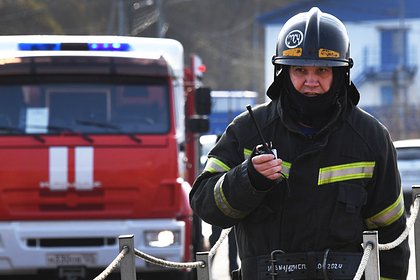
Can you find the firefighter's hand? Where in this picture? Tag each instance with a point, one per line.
(268, 166)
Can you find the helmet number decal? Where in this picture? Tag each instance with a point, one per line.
(293, 39)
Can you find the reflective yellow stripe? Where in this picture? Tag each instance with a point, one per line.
(222, 202)
(388, 215)
(344, 172)
(286, 168)
(214, 165)
(247, 153)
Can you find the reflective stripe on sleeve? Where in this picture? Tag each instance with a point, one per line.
(344, 172)
(222, 202)
(388, 215)
(214, 165)
(247, 153)
(286, 168)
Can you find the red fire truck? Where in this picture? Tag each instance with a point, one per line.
(93, 145)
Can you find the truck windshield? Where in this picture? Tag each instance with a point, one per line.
(55, 108)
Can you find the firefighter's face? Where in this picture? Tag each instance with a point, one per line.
(311, 80)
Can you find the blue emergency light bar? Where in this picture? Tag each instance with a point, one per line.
(38, 47)
(109, 47)
(74, 47)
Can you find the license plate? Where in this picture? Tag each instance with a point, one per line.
(71, 259)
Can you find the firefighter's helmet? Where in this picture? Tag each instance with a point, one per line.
(313, 38)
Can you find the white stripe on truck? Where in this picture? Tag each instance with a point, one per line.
(58, 168)
(84, 168)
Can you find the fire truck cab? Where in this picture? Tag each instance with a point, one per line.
(92, 134)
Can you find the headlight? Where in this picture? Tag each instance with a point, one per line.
(162, 238)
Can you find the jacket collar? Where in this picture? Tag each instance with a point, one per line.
(343, 103)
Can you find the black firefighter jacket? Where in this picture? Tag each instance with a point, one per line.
(340, 182)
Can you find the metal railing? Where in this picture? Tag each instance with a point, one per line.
(369, 264)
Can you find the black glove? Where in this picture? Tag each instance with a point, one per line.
(259, 181)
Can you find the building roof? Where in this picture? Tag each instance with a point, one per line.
(355, 10)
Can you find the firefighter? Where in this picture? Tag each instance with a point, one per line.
(299, 202)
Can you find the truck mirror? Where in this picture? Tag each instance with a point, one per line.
(198, 124)
(203, 101)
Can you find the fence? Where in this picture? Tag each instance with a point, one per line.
(369, 264)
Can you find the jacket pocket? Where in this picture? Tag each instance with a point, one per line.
(346, 220)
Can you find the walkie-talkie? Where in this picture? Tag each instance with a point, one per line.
(263, 148)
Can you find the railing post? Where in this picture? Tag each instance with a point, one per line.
(416, 191)
(127, 265)
(204, 271)
(372, 271)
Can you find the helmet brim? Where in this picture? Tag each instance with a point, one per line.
(310, 62)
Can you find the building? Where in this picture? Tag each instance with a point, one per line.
(385, 47)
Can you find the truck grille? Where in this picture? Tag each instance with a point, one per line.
(70, 242)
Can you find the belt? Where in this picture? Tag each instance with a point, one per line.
(312, 265)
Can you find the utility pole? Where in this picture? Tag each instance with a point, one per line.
(255, 48)
(161, 24)
(122, 18)
(400, 73)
